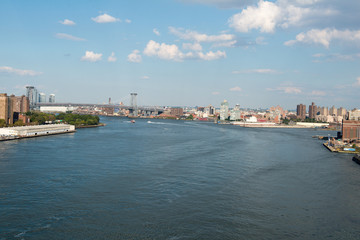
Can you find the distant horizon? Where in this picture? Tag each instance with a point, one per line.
(250, 52)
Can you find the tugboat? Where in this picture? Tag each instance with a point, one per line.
(356, 158)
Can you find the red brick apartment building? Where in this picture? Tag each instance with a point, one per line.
(350, 131)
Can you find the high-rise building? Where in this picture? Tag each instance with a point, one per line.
(341, 112)
(333, 111)
(301, 111)
(52, 98)
(42, 97)
(12, 106)
(210, 110)
(354, 115)
(235, 113)
(324, 111)
(32, 95)
(312, 110)
(224, 110)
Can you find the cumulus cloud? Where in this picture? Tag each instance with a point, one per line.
(20, 72)
(200, 37)
(91, 56)
(236, 89)
(135, 56)
(112, 57)
(267, 16)
(157, 33)
(262, 71)
(67, 22)
(286, 89)
(105, 18)
(172, 52)
(68, 37)
(192, 46)
(211, 55)
(127, 20)
(163, 51)
(325, 36)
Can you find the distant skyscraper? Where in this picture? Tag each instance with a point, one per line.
(301, 111)
(235, 113)
(32, 94)
(51, 98)
(224, 110)
(324, 111)
(42, 97)
(341, 112)
(312, 110)
(333, 111)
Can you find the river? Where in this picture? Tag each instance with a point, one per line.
(167, 179)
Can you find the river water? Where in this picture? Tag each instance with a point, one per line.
(164, 179)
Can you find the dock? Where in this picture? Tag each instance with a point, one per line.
(338, 150)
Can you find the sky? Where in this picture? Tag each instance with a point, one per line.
(184, 52)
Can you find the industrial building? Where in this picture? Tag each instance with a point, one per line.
(38, 130)
(350, 131)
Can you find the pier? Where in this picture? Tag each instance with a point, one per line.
(12, 133)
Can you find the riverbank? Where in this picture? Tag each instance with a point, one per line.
(91, 126)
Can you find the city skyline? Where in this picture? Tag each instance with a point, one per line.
(184, 52)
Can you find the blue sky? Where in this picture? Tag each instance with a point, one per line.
(184, 52)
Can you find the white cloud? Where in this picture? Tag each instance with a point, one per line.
(357, 83)
(91, 56)
(319, 57)
(105, 18)
(215, 93)
(200, 37)
(318, 93)
(326, 36)
(211, 55)
(263, 17)
(163, 51)
(262, 71)
(192, 46)
(112, 57)
(235, 89)
(267, 16)
(68, 37)
(67, 22)
(127, 20)
(172, 52)
(135, 56)
(145, 77)
(286, 89)
(156, 32)
(20, 72)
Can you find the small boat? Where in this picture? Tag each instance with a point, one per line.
(132, 121)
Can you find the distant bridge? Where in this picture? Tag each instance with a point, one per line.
(149, 109)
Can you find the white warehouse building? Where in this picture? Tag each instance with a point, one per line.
(38, 130)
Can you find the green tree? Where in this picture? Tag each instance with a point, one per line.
(2, 123)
